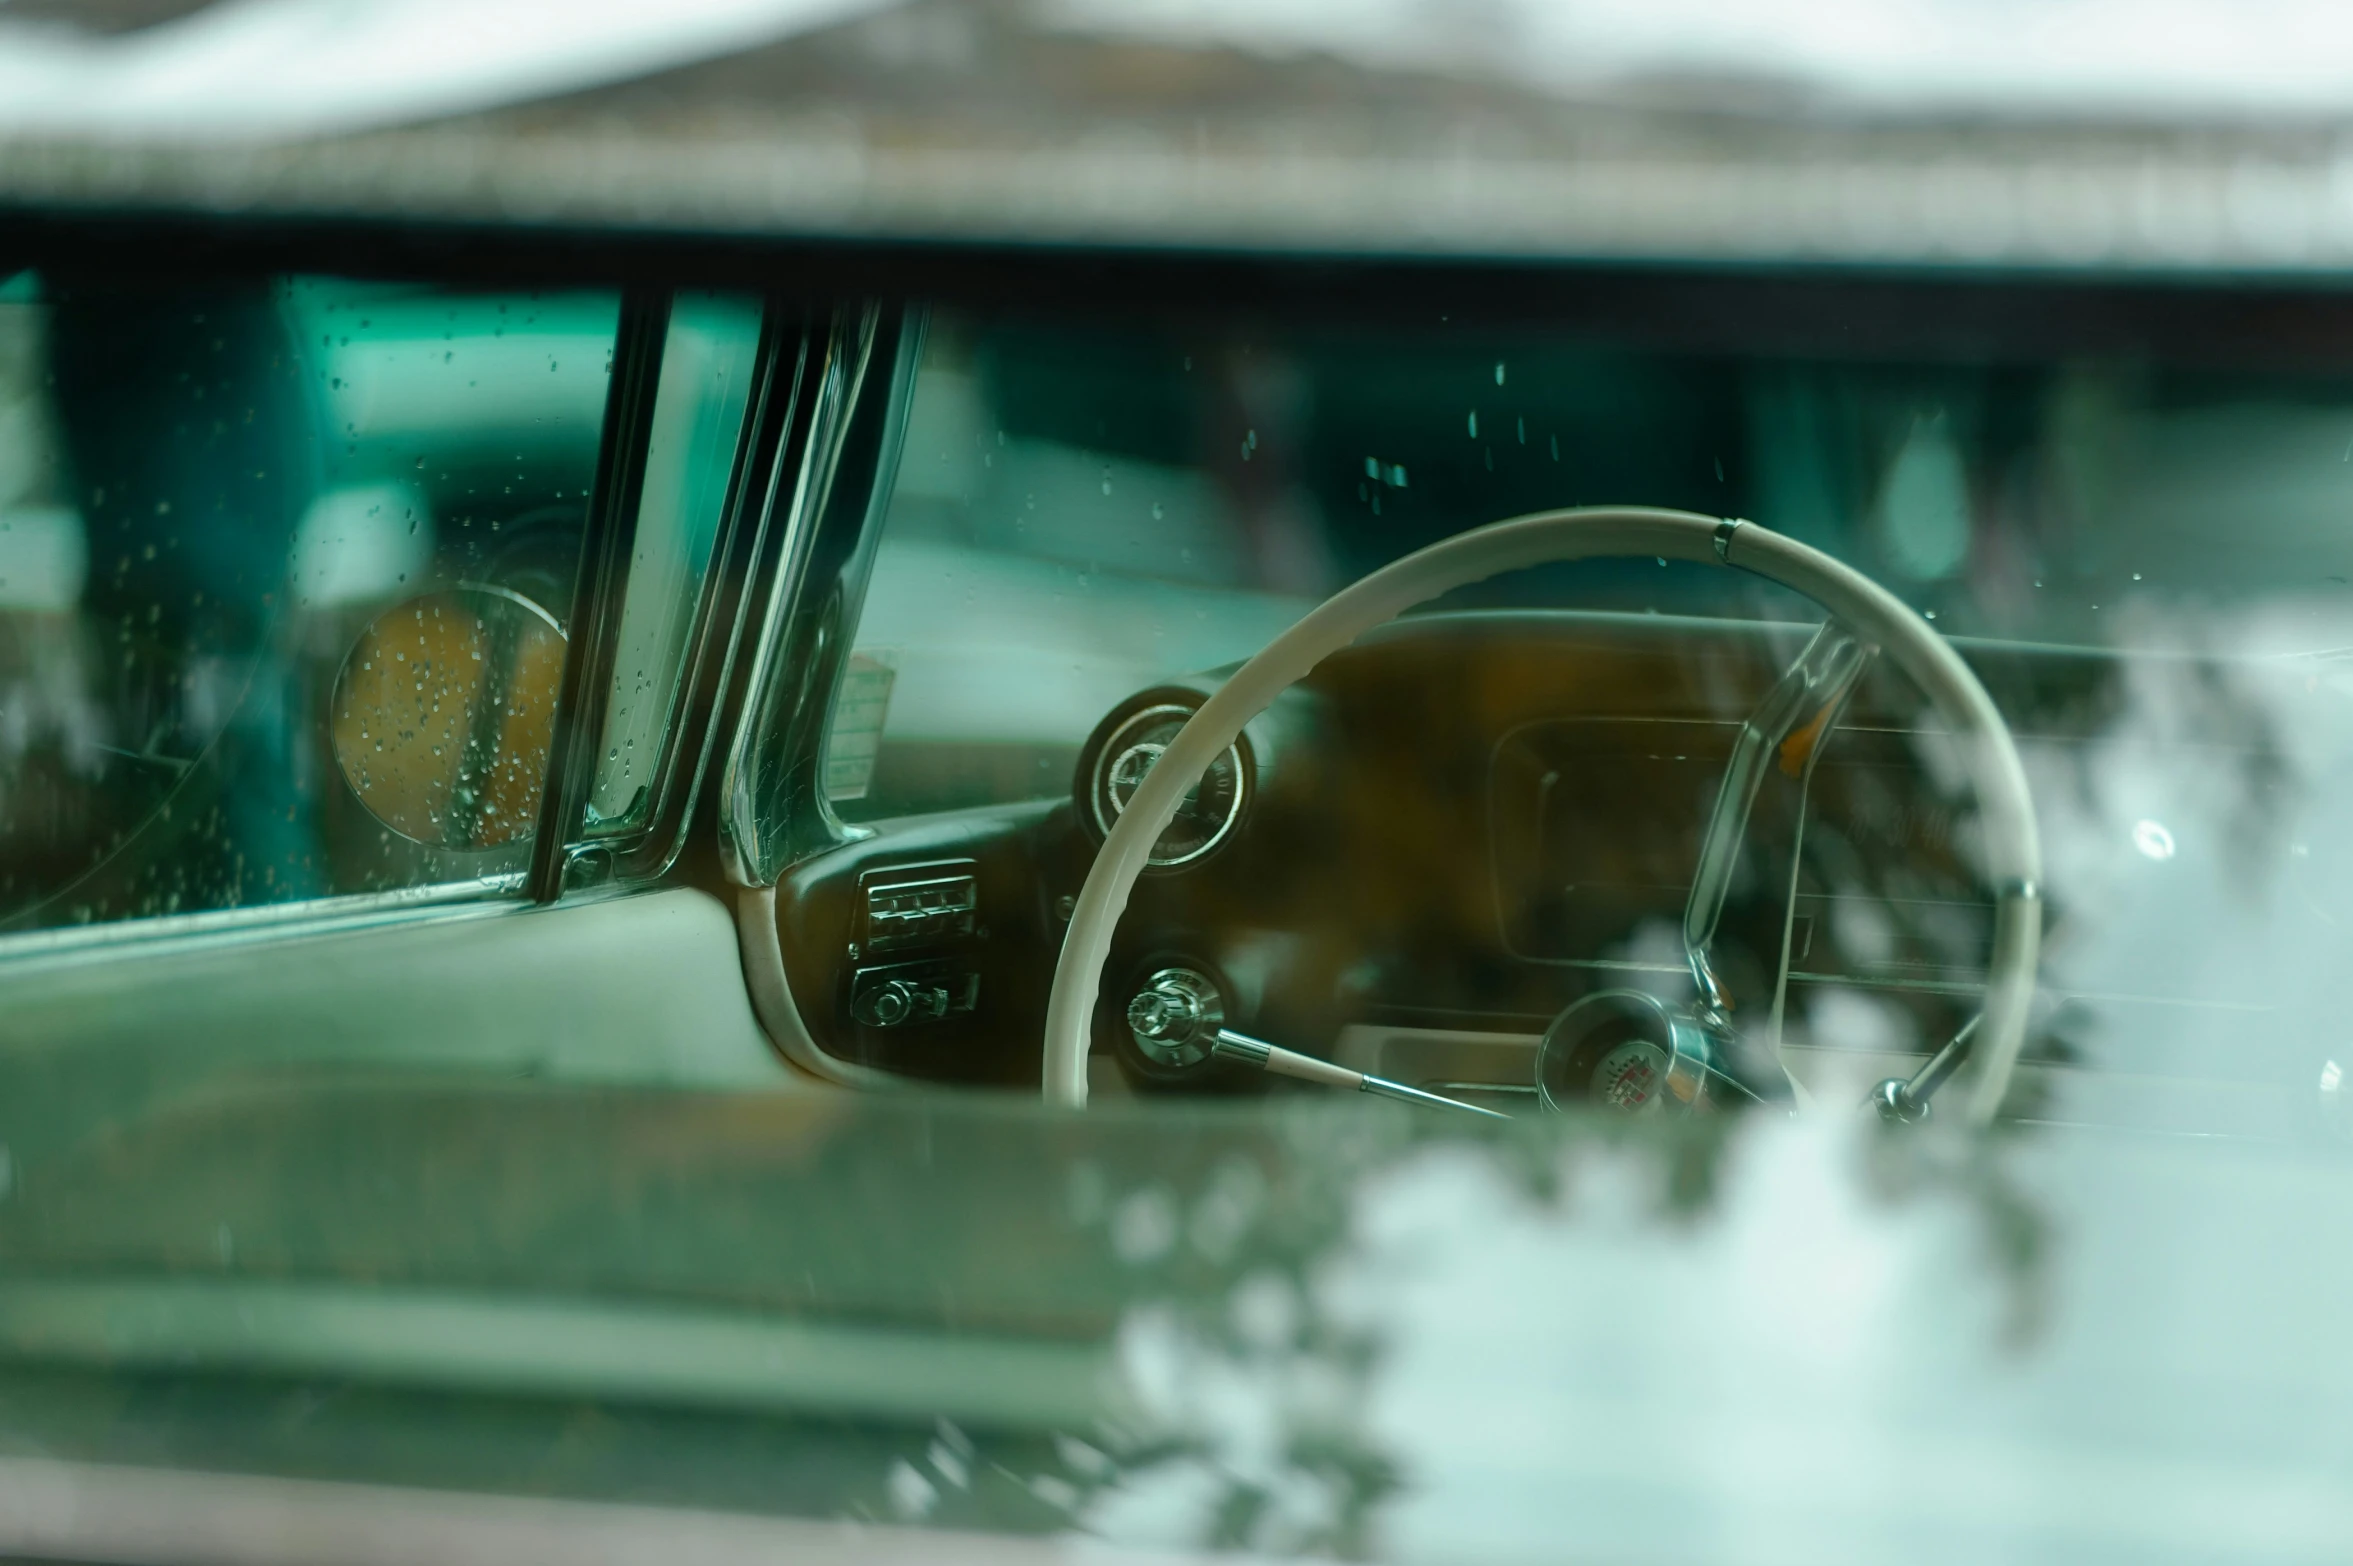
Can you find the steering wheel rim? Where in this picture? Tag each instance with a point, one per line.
(2013, 851)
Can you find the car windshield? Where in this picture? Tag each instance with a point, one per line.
(2142, 559)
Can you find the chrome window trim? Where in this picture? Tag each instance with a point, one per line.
(600, 587)
(263, 923)
(772, 809)
(754, 852)
(723, 612)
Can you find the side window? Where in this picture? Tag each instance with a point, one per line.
(284, 569)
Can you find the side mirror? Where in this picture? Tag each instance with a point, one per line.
(444, 713)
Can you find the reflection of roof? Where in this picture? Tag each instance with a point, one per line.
(1569, 131)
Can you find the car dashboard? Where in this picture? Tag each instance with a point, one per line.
(1468, 821)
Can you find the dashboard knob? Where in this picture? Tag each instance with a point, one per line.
(1174, 1018)
(893, 1004)
(905, 1000)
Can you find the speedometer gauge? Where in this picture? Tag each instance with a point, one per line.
(1210, 808)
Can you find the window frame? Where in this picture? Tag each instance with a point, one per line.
(774, 812)
(764, 459)
(565, 858)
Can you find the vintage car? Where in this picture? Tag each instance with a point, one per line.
(1020, 782)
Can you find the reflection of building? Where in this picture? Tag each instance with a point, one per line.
(43, 553)
(52, 735)
(180, 417)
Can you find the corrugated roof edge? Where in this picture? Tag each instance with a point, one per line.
(2218, 205)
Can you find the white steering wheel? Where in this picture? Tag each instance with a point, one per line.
(2013, 852)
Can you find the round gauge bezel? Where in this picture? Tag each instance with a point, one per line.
(1098, 782)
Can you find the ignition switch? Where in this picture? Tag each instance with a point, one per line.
(906, 994)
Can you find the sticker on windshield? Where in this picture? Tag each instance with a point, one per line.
(858, 714)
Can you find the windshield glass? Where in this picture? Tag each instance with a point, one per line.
(2141, 560)
(1081, 512)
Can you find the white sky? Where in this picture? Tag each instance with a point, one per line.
(283, 67)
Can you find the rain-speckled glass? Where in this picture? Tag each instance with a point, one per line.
(208, 494)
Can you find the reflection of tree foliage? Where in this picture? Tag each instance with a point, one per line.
(1271, 1447)
(1901, 1165)
(1235, 1310)
(1199, 1243)
(2217, 709)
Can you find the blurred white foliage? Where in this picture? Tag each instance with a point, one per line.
(2173, 57)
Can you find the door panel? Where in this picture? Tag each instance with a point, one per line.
(643, 990)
